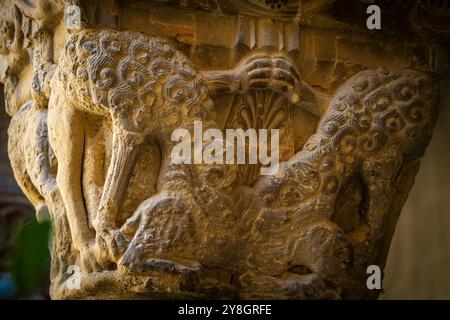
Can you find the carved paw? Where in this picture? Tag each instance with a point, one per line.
(287, 286)
(134, 261)
(110, 245)
(324, 249)
(131, 260)
(89, 261)
(269, 71)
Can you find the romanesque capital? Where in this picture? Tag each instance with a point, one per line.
(219, 149)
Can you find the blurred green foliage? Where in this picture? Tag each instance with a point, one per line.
(30, 258)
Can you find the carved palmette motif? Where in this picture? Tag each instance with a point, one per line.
(262, 110)
(221, 230)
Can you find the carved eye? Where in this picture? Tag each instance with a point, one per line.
(312, 143)
(415, 114)
(384, 72)
(141, 116)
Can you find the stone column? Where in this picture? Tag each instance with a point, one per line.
(102, 92)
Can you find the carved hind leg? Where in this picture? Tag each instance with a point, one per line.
(66, 134)
(125, 148)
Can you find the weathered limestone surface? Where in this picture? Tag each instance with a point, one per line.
(96, 88)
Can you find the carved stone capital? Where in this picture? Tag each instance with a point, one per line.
(95, 105)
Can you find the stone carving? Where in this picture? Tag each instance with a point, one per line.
(91, 144)
(377, 122)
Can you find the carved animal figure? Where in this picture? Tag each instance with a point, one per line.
(309, 231)
(378, 119)
(146, 88)
(377, 124)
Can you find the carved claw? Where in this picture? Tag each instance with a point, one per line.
(110, 246)
(267, 71)
(277, 72)
(131, 260)
(274, 71)
(89, 261)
